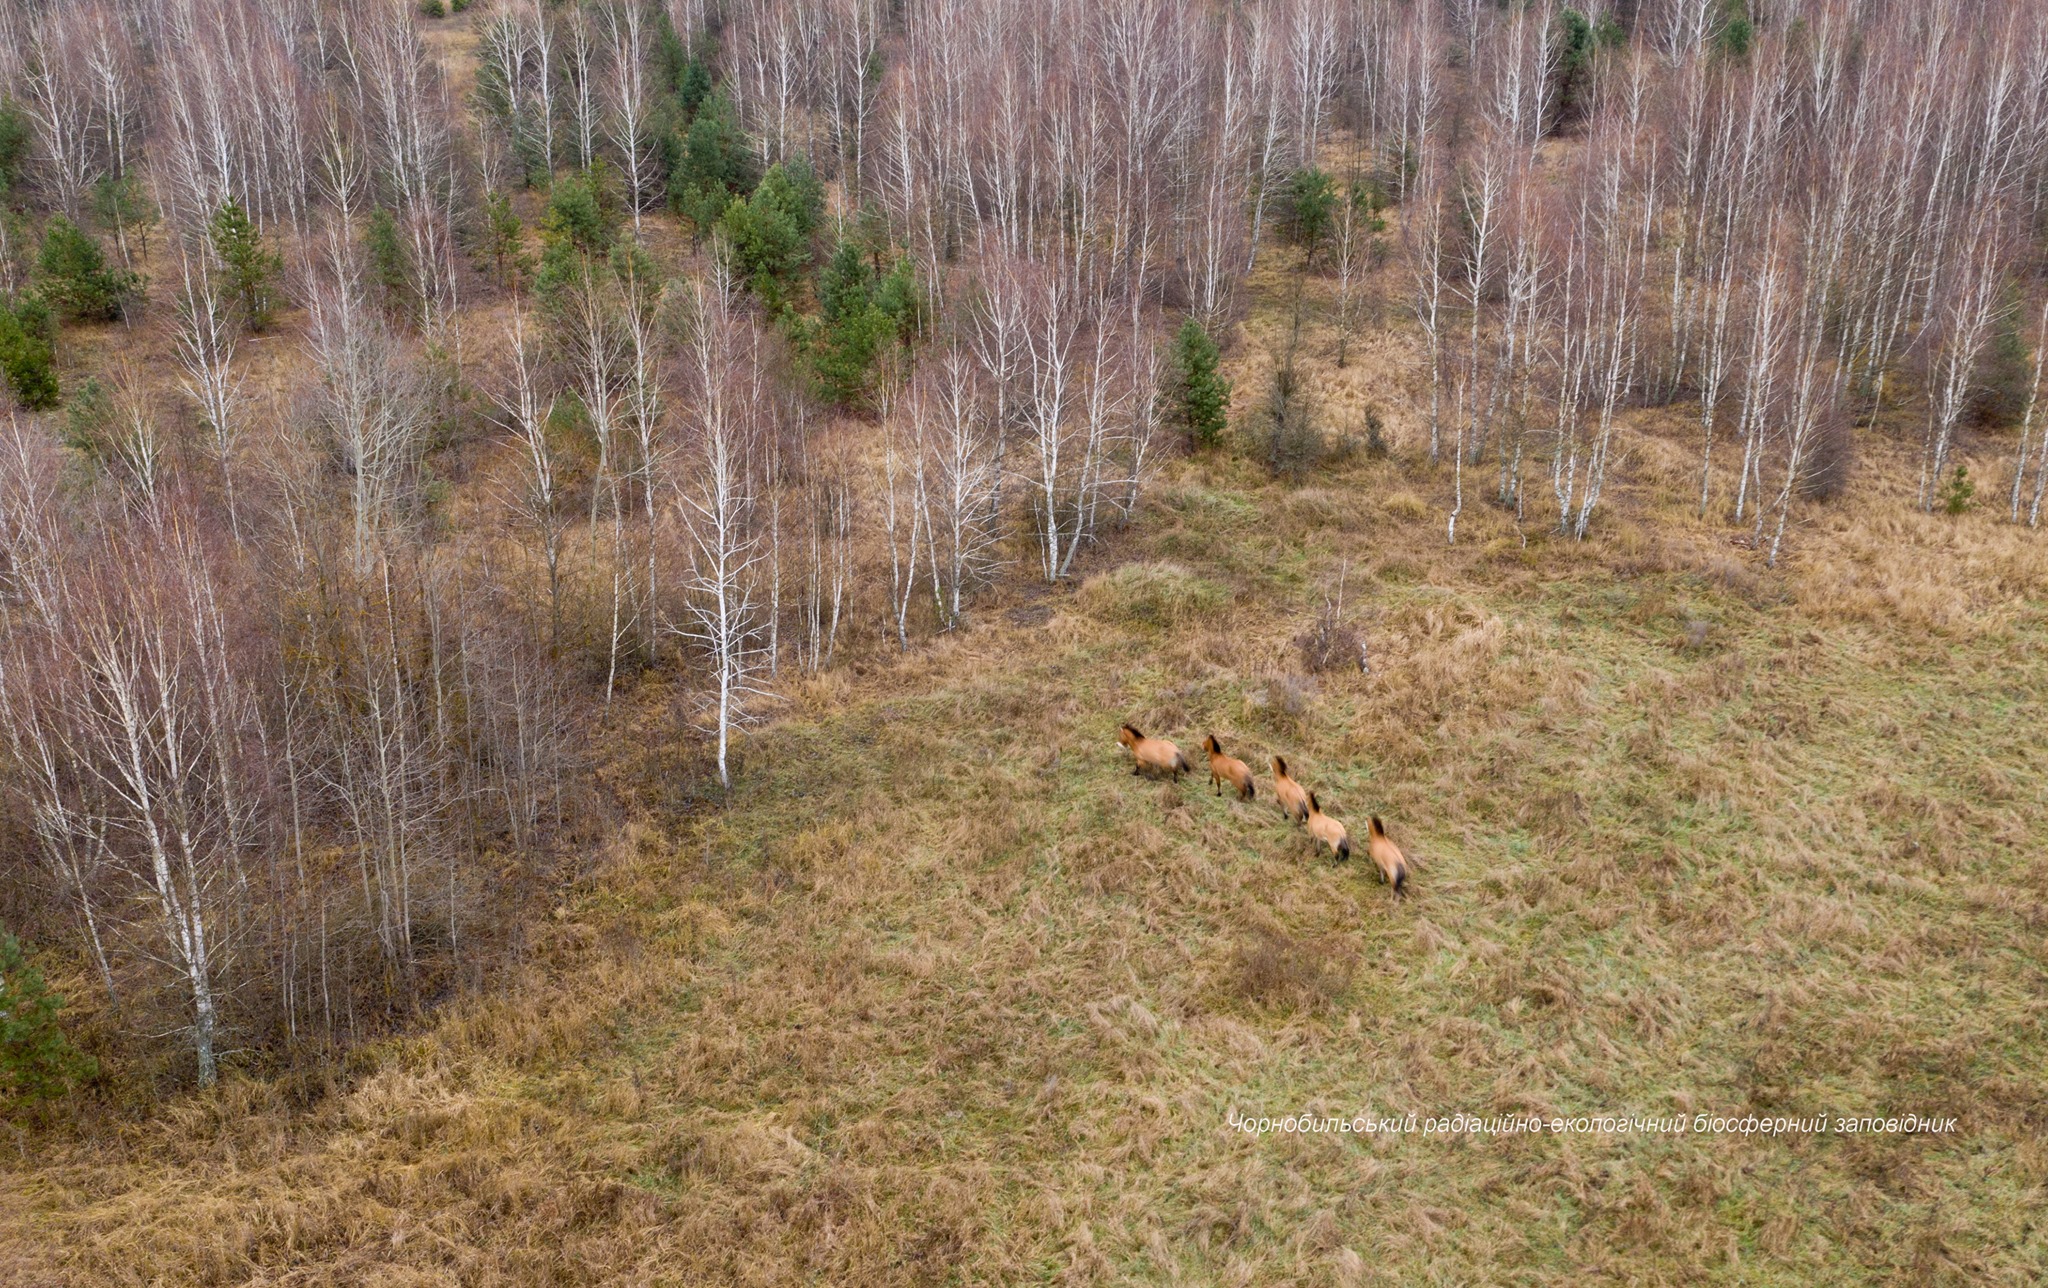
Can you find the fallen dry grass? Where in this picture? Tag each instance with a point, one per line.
(944, 995)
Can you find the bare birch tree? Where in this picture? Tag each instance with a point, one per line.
(947, 405)
(717, 491)
(537, 495)
(207, 333)
(370, 405)
(632, 101)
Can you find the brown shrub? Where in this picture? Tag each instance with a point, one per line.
(1330, 643)
(1274, 968)
(1282, 703)
(1832, 460)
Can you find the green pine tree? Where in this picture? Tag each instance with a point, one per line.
(901, 300)
(1579, 40)
(576, 214)
(1737, 32)
(1197, 394)
(682, 67)
(73, 278)
(859, 315)
(693, 86)
(28, 355)
(500, 240)
(390, 266)
(37, 1062)
(576, 228)
(249, 264)
(846, 285)
(769, 233)
(1957, 493)
(630, 262)
(713, 164)
(1311, 206)
(88, 415)
(851, 330)
(15, 137)
(123, 207)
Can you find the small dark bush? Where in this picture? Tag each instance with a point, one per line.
(1376, 446)
(1832, 459)
(1956, 494)
(390, 266)
(1331, 641)
(1295, 443)
(2005, 374)
(16, 136)
(1329, 644)
(1276, 969)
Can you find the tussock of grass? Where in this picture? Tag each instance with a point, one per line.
(1404, 505)
(1158, 595)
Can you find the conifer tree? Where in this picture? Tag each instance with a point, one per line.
(28, 357)
(1199, 396)
(250, 265)
(73, 278)
(37, 1062)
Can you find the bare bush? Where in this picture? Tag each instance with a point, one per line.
(1832, 459)
(1332, 641)
(1273, 968)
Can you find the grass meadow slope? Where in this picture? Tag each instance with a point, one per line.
(944, 995)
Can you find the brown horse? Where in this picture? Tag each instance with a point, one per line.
(1154, 755)
(1327, 830)
(1228, 769)
(1293, 800)
(1386, 855)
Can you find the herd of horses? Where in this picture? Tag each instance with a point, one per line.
(1159, 758)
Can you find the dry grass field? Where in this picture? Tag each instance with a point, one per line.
(944, 995)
